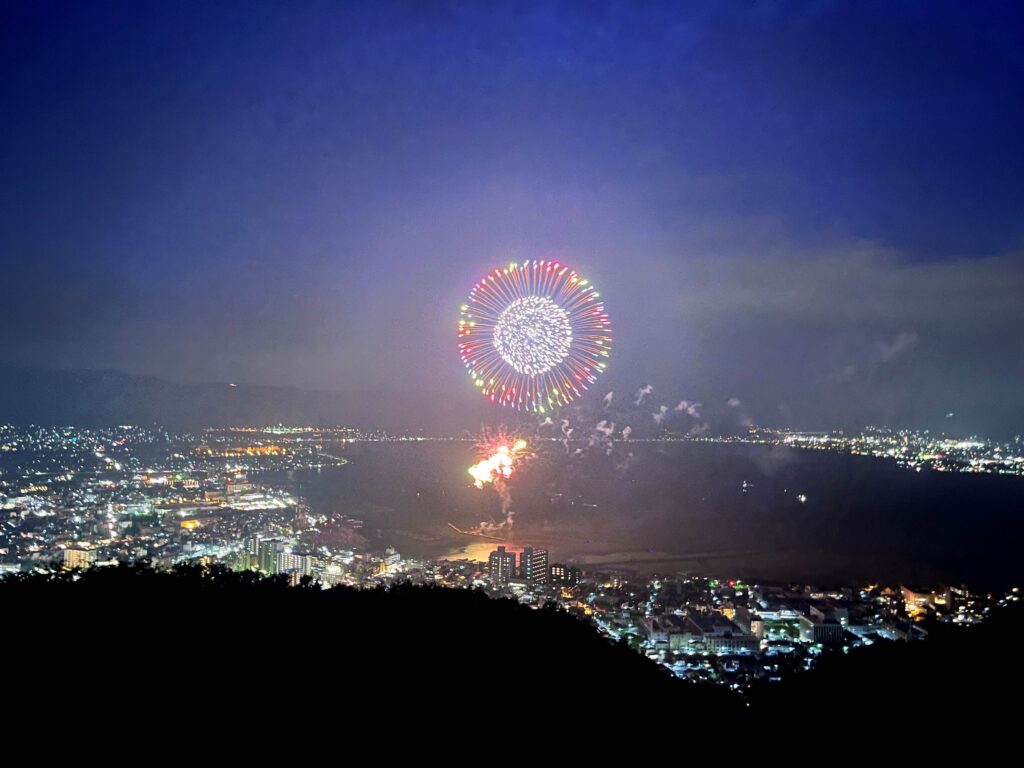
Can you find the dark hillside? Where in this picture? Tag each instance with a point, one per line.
(187, 635)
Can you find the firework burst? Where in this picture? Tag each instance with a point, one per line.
(500, 456)
(534, 335)
(498, 464)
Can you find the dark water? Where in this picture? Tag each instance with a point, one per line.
(682, 505)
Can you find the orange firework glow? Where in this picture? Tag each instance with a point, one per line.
(499, 465)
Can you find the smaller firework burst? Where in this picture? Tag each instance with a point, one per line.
(498, 463)
(500, 457)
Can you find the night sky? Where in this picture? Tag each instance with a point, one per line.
(816, 209)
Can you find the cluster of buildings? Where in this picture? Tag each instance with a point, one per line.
(532, 571)
(82, 496)
(737, 634)
(727, 631)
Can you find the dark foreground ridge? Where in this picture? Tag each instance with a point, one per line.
(367, 642)
(174, 635)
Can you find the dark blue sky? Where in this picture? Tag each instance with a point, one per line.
(815, 208)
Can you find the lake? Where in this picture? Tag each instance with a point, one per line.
(670, 506)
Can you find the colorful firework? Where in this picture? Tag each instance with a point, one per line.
(534, 335)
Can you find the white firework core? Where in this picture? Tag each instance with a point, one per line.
(533, 335)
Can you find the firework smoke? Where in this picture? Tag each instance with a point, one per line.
(691, 408)
(641, 393)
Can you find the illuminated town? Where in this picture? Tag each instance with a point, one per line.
(78, 498)
(916, 450)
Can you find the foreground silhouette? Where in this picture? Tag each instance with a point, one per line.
(171, 637)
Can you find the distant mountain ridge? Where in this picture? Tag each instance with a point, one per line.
(91, 398)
